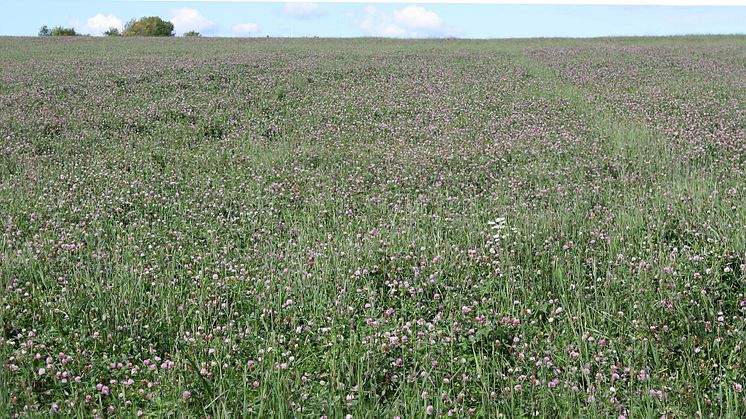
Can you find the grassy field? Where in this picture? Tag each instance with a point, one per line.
(375, 228)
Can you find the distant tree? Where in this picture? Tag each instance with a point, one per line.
(60, 31)
(149, 26)
(192, 33)
(44, 31)
(113, 32)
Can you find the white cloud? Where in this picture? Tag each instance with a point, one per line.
(187, 19)
(409, 22)
(417, 17)
(97, 25)
(302, 10)
(377, 23)
(541, 2)
(246, 29)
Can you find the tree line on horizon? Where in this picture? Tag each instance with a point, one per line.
(145, 26)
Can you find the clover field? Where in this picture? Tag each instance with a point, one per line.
(374, 228)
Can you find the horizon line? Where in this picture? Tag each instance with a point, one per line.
(671, 3)
(451, 38)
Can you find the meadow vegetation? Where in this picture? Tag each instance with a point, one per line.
(375, 228)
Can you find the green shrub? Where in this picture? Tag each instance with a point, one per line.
(57, 31)
(60, 31)
(113, 32)
(149, 26)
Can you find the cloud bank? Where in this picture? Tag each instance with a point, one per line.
(302, 10)
(100, 23)
(409, 22)
(187, 19)
(245, 29)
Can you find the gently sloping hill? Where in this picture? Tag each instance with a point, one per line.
(392, 225)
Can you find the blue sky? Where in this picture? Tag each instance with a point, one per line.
(418, 20)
